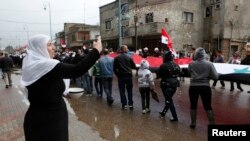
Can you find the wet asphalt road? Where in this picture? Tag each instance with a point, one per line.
(113, 123)
(91, 119)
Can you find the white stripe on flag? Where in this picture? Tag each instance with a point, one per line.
(164, 40)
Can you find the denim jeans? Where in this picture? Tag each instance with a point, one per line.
(126, 83)
(88, 85)
(79, 82)
(107, 86)
(168, 94)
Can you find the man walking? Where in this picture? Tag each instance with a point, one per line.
(219, 59)
(1, 73)
(6, 63)
(123, 66)
(106, 64)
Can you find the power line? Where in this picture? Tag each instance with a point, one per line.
(11, 21)
(23, 31)
(22, 22)
(13, 39)
(40, 11)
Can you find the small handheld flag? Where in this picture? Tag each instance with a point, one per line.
(166, 39)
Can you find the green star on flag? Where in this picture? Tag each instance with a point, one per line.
(244, 70)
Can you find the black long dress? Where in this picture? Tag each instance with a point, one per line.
(47, 116)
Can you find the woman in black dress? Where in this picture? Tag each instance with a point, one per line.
(47, 117)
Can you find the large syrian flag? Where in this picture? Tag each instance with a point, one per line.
(233, 72)
(166, 39)
(228, 72)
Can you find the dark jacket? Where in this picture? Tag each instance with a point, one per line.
(6, 63)
(246, 61)
(123, 65)
(168, 73)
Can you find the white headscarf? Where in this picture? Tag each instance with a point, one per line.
(37, 62)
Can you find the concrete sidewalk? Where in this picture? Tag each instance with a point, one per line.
(13, 106)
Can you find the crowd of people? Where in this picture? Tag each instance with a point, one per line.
(43, 69)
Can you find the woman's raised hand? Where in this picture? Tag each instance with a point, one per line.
(98, 44)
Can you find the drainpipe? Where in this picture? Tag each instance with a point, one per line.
(119, 23)
(218, 42)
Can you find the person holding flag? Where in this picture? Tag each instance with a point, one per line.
(166, 39)
(201, 71)
(168, 72)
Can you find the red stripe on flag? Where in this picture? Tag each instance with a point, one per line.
(165, 34)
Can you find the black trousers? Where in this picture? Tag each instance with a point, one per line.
(204, 92)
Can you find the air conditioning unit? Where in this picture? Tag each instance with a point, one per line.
(217, 6)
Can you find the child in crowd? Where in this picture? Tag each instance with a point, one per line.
(145, 84)
(97, 82)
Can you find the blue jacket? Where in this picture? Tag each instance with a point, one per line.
(106, 66)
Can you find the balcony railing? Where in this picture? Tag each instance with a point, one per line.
(147, 29)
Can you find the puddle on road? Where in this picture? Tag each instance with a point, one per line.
(113, 124)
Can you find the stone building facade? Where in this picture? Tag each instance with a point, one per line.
(212, 24)
(226, 25)
(77, 35)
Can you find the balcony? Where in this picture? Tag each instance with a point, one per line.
(147, 29)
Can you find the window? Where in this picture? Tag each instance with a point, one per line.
(124, 31)
(208, 12)
(217, 6)
(149, 17)
(236, 8)
(166, 20)
(96, 36)
(108, 24)
(188, 17)
(83, 35)
(234, 48)
(124, 9)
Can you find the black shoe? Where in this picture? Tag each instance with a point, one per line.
(174, 119)
(110, 102)
(240, 89)
(248, 91)
(192, 126)
(231, 89)
(124, 107)
(6, 86)
(131, 107)
(162, 114)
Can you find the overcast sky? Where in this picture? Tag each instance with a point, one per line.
(19, 16)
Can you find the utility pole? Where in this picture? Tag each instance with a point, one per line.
(136, 20)
(119, 23)
(45, 7)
